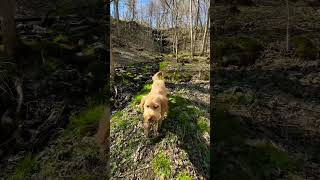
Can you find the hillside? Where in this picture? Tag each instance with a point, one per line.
(267, 98)
(182, 150)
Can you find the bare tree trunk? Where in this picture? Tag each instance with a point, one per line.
(205, 33)
(176, 34)
(8, 25)
(173, 28)
(191, 30)
(116, 5)
(196, 25)
(288, 25)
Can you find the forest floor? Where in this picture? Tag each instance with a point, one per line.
(62, 72)
(182, 149)
(266, 118)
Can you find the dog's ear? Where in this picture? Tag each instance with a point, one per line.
(164, 104)
(143, 99)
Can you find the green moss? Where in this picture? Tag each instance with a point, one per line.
(51, 64)
(119, 120)
(304, 48)
(61, 39)
(163, 64)
(203, 125)
(88, 52)
(177, 102)
(146, 89)
(85, 121)
(183, 76)
(161, 165)
(23, 168)
(68, 155)
(184, 176)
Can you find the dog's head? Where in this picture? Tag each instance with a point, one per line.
(154, 107)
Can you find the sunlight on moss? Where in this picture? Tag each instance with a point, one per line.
(203, 125)
(184, 176)
(146, 89)
(119, 120)
(178, 76)
(161, 165)
(163, 64)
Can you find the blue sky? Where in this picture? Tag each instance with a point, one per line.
(122, 7)
(140, 3)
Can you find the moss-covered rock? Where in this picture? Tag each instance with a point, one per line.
(304, 48)
(241, 51)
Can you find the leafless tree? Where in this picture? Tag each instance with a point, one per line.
(8, 25)
(132, 8)
(206, 30)
(191, 29)
(151, 9)
(116, 15)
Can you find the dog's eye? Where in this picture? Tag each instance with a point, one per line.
(147, 106)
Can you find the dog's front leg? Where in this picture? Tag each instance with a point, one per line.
(159, 123)
(146, 127)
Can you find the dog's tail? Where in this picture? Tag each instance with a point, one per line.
(157, 76)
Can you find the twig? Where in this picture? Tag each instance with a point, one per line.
(18, 85)
(6, 84)
(116, 91)
(42, 56)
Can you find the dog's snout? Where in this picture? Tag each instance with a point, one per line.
(151, 118)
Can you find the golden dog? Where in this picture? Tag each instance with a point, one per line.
(155, 104)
